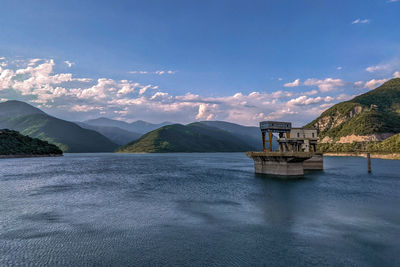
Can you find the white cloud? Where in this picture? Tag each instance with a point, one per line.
(396, 74)
(69, 63)
(128, 100)
(162, 72)
(372, 84)
(339, 68)
(378, 68)
(393, 1)
(359, 84)
(158, 72)
(32, 62)
(84, 108)
(304, 100)
(144, 89)
(6, 78)
(312, 92)
(293, 84)
(138, 72)
(205, 112)
(325, 85)
(360, 21)
(385, 68)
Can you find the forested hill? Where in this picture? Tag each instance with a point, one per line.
(13, 143)
(194, 137)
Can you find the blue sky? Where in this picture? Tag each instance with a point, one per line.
(241, 61)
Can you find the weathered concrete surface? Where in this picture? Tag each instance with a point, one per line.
(279, 163)
(314, 163)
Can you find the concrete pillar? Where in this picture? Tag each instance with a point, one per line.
(263, 140)
(270, 141)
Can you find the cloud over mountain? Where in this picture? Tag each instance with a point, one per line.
(64, 94)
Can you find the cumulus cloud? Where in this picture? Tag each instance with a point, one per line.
(84, 108)
(360, 21)
(377, 67)
(385, 68)
(65, 94)
(206, 112)
(293, 84)
(359, 84)
(312, 92)
(372, 84)
(325, 85)
(304, 100)
(396, 74)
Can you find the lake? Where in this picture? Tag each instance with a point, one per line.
(196, 209)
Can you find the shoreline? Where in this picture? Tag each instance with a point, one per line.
(29, 156)
(391, 156)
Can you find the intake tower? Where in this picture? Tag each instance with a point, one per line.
(296, 153)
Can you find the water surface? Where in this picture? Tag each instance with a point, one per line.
(195, 209)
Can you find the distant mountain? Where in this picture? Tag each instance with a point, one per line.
(70, 137)
(373, 116)
(13, 143)
(13, 108)
(194, 137)
(139, 126)
(145, 127)
(115, 134)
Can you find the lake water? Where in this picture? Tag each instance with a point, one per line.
(196, 209)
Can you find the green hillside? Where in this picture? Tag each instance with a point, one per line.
(195, 137)
(14, 143)
(377, 111)
(389, 145)
(67, 135)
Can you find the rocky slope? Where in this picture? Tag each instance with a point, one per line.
(373, 116)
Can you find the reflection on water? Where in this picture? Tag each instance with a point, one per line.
(195, 209)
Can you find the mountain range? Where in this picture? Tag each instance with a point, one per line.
(106, 135)
(139, 127)
(361, 122)
(68, 136)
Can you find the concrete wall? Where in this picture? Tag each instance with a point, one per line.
(315, 163)
(303, 133)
